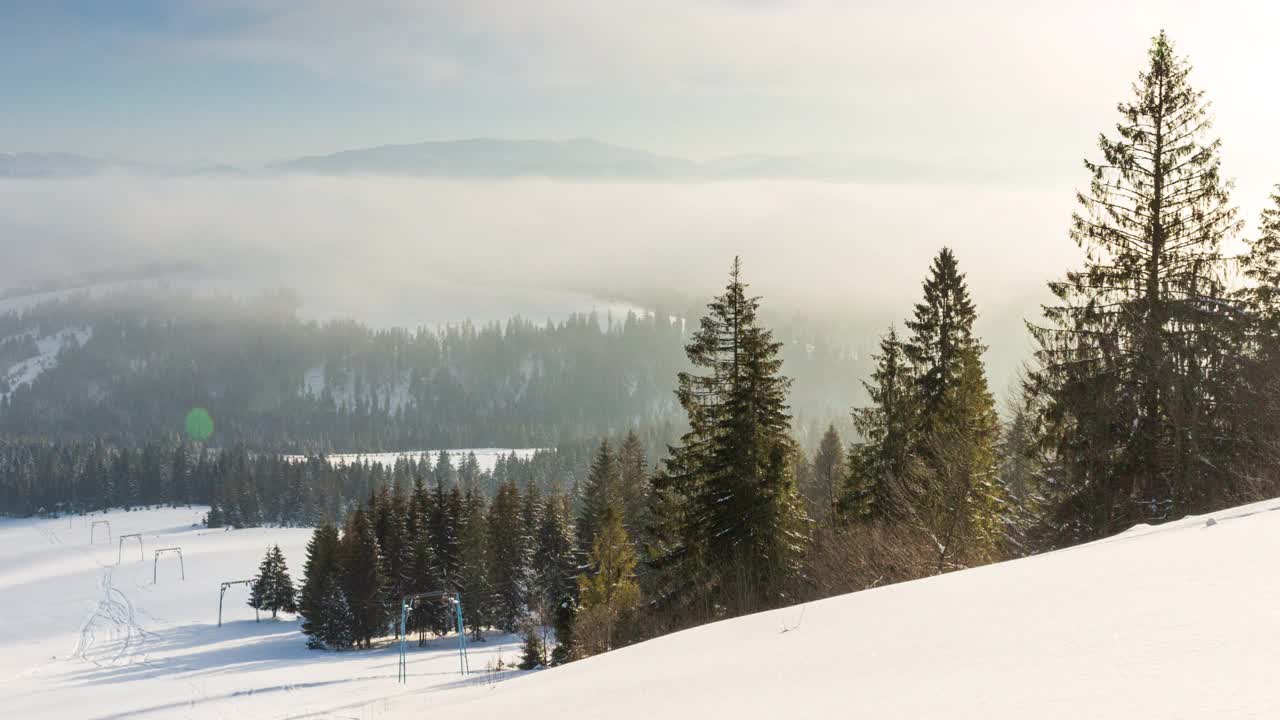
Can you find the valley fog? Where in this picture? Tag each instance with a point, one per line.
(409, 252)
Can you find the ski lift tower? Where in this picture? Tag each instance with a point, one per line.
(455, 601)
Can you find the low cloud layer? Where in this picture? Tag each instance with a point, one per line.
(413, 251)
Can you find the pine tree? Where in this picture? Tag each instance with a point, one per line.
(941, 335)
(633, 474)
(473, 565)
(444, 471)
(445, 509)
(508, 566)
(732, 521)
(608, 589)
(321, 569)
(364, 585)
(601, 491)
(335, 624)
(388, 513)
(533, 653)
(215, 518)
(554, 564)
(951, 491)
(1136, 356)
(273, 589)
(425, 576)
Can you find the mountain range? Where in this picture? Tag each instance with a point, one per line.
(580, 158)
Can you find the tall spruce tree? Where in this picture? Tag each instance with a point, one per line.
(1136, 357)
(739, 530)
(508, 566)
(365, 584)
(882, 462)
(633, 490)
(443, 524)
(321, 567)
(601, 491)
(473, 565)
(952, 491)
(941, 336)
(556, 568)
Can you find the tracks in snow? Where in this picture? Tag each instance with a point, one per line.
(111, 636)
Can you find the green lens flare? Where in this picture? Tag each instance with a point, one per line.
(199, 425)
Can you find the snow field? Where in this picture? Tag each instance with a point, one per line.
(82, 637)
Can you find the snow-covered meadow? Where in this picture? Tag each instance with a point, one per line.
(83, 637)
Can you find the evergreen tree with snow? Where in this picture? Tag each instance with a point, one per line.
(273, 589)
(335, 623)
(533, 651)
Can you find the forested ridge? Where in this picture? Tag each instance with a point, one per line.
(128, 365)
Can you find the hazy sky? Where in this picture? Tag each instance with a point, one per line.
(1015, 92)
(1013, 86)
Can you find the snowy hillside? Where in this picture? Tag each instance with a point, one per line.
(83, 637)
(1176, 621)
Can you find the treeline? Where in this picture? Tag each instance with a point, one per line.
(245, 488)
(130, 365)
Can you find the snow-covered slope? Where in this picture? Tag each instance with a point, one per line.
(83, 637)
(1176, 621)
(26, 371)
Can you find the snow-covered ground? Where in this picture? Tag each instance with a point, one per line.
(83, 637)
(1176, 621)
(486, 458)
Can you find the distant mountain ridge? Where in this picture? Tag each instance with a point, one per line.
(30, 165)
(579, 158)
(487, 157)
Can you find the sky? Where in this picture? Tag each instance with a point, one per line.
(1012, 94)
(1013, 88)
